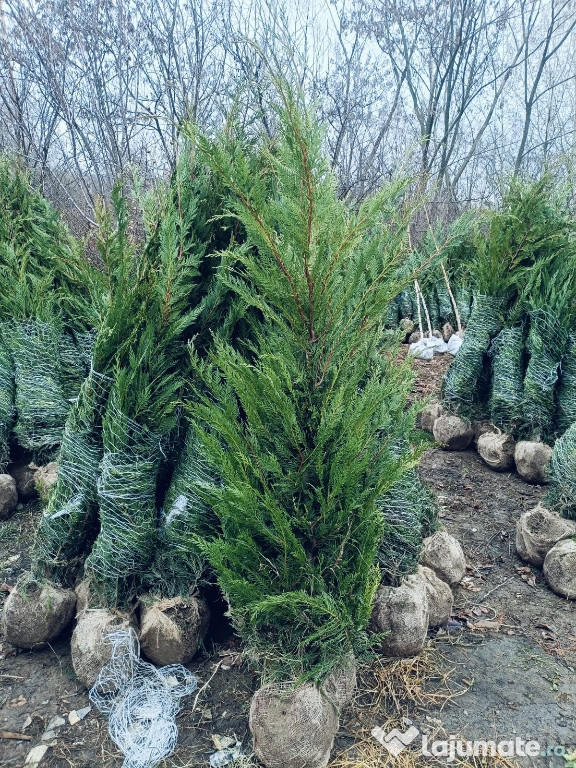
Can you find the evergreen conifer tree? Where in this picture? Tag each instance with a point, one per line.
(302, 427)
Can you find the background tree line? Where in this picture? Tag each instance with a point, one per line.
(458, 92)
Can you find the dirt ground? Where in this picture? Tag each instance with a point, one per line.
(504, 667)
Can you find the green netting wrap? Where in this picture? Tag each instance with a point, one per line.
(507, 353)
(185, 515)
(445, 309)
(546, 345)
(562, 473)
(70, 518)
(6, 402)
(432, 306)
(410, 514)
(406, 304)
(392, 316)
(126, 488)
(465, 379)
(566, 397)
(463, 302)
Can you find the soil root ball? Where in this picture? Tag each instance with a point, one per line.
(497, 450)
(532, 461)
(35, 615)
(537, 531)
(24, 474)
(560, 568)
(402, 612)
(429, 414)
(8, 496)
(172, 629)
(292, 727)
(439, 596)
(45, 479)
(340, 684)
(443, 554)
(454, 433)
(90, 647)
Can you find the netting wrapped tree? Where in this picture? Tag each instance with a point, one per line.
(47, 314)
(566, 398)
(301, 426)
(6, 401)
(507, 358)
(523, 264)
(562, 472)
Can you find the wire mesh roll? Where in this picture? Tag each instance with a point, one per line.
(546, 346)
(69, 519)
(126, 490)
(466, 380)
(507, 353)
(566, 396)
(562, 474)
(6, 402)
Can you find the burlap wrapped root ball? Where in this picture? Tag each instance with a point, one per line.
(402, 613)
(454, 433)
(560, 568)
(497, 450)
(8, 496)
(532, 461)
(340, 684)
(429, 414)
(24, 474)
(443, 554)
(537, 531)
(439, 596)
(45, 479)
(293, 727)
(172, 629)
(90, 647)
(36, 614)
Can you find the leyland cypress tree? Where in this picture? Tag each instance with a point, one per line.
(302, 427)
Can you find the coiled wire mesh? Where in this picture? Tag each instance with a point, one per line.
(141, 701)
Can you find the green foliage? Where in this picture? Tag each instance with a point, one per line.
(301, 426)
(39, 260)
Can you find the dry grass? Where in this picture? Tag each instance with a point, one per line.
(389, 690)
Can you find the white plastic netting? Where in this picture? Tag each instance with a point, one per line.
(71, 511)
(126, 490)
(141, 701)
